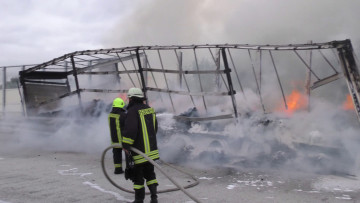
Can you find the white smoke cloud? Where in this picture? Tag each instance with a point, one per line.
(161, 22)
(322, 141)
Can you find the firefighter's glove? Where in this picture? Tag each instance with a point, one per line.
(130, 164)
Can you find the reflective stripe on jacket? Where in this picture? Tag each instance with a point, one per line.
(116, 120)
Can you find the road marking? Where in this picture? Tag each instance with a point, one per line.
(72, 172)
(117, 196)
(205, 178)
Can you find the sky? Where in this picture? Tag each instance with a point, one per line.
(35, 31)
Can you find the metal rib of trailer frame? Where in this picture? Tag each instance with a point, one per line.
(4, 90)
(66, 70)
(90, 76)
(145, 66)
(76, 82)
(148, 69)
(328, 45)
(152, 75)
(99, 58)
(186, 83)
(81, 59)
(201, 88)
(308, 82)
(326, 80)
(76, 63)
(106, 63)
(189, 93)
(22, 83)
(117, 72)
(218, 64)
(228, 76)
(103, 91)
(277, 75)
(256, 81)
(186, 71)
(180, 69)
(21, 98)
(166, 82)
(322, 54)
(122, 63)
(141, 73)
(351, 73)
(106, 56)
(52, 68)
(44, 82)
(236, 73)
(133, 62)
(306, 65)
(260, 74)
(66, 66)
(218, 68)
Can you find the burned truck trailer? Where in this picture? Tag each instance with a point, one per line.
(244, 104)
(196, 75)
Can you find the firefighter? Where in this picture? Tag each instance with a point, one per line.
(140, 133)
(116, 120)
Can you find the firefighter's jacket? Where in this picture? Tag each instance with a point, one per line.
(116, 120)
(140, 131)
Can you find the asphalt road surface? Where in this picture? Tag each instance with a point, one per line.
(33, 175)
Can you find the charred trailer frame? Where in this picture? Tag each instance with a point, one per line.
(87, 62)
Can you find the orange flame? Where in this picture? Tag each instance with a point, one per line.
(295, 101)
(122, 96)
(348, 103)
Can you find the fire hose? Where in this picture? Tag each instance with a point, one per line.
(179, 187)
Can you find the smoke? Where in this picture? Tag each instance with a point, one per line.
(160, 22)
(60, 133)
(321, 141)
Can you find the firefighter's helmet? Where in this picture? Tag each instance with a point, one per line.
(118, 103)
(135, 92)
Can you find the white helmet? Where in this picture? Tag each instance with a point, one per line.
(135, 92)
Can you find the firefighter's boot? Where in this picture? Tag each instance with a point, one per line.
(118, 170)
(139, 195)
(153, 192)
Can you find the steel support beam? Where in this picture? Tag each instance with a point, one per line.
(141, 74)
(351, 74)
(228, 76)
(180, 60)
(325, 81)
(4, 91)
(76, 82)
